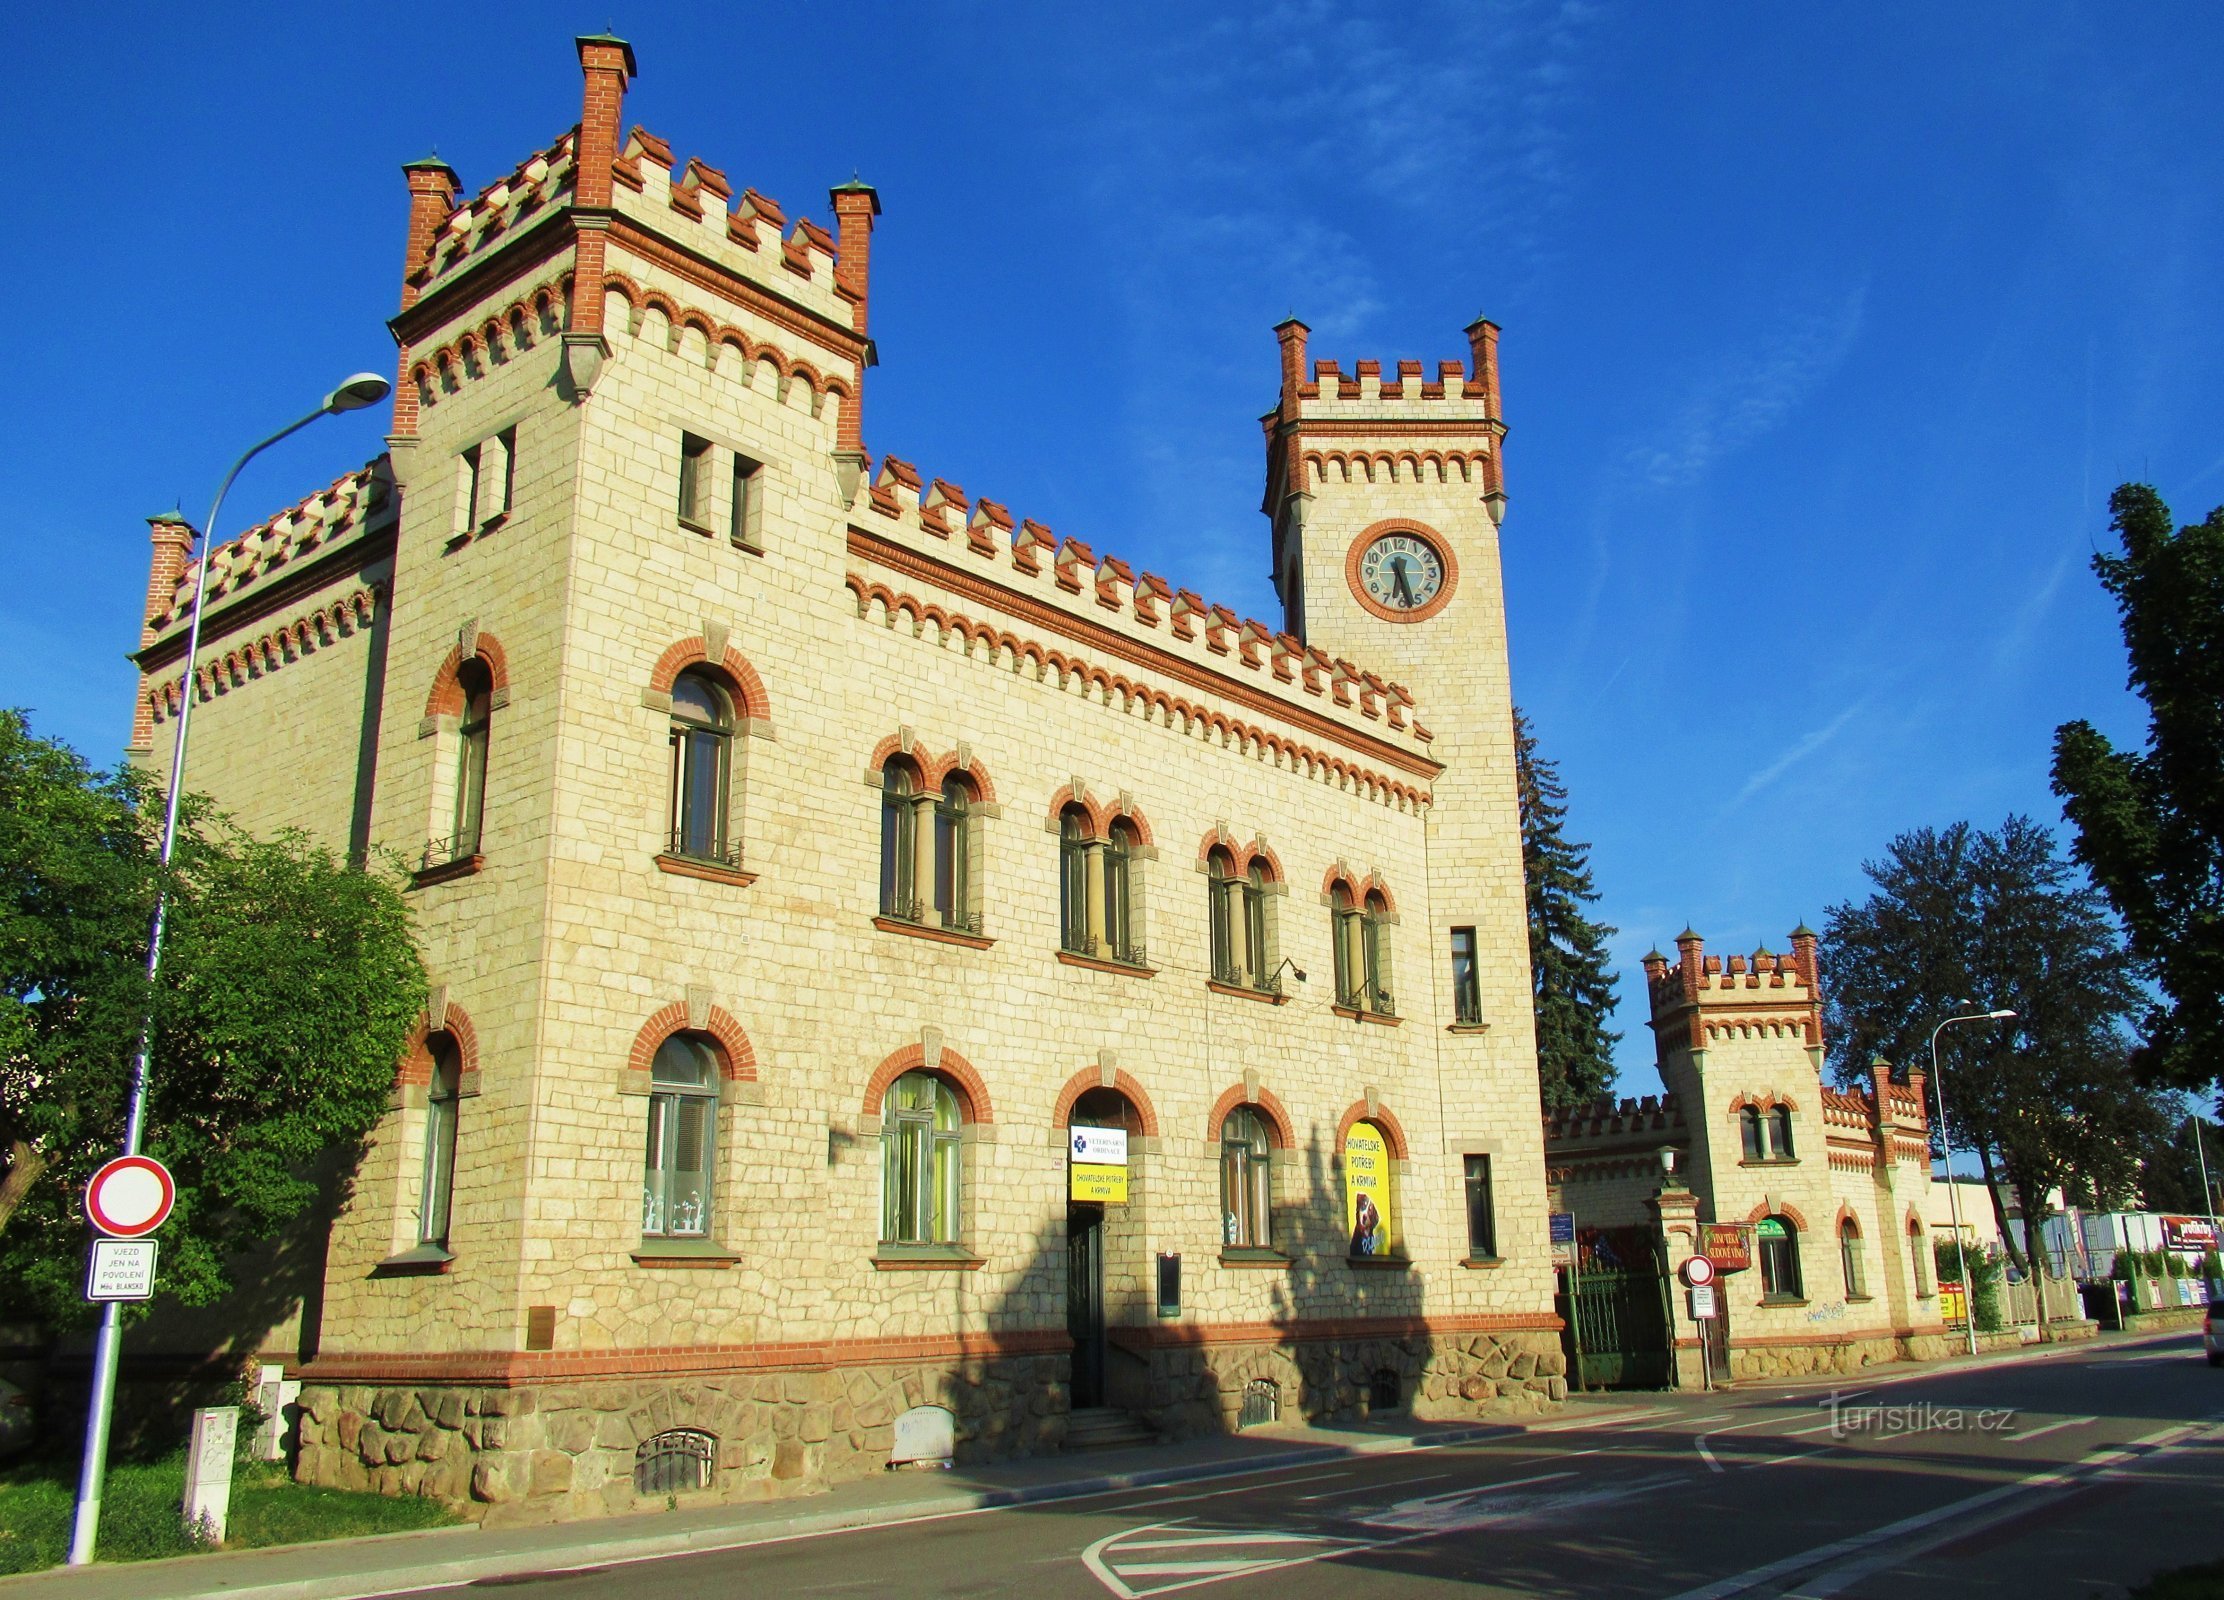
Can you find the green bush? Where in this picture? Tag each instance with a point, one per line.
(1982, 1274)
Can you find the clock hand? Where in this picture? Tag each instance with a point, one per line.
(1403, 589)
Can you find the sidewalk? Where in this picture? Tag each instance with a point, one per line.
(354, 1569)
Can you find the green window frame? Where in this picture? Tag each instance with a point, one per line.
(922, 1153)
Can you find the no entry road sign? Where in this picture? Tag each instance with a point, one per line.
(130, 1196)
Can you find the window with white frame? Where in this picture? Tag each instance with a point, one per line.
(676, 1184)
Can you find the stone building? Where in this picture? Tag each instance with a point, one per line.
(1827, 1189)
(805, 849)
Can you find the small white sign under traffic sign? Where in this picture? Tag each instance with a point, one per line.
(1702, 1302)
(122, 1269)
(1099, 1147)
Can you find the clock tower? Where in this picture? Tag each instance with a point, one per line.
(1386, 496)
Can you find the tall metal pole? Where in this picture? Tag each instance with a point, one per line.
(2208, 1195)
(361, 390)
(1953, 1190)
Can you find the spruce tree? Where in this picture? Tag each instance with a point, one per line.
(1571, 976)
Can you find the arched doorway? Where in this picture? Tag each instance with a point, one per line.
(1104, 1241)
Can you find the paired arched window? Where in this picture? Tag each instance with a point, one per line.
(1361, 942)
(1242, 927)
(1766, 1135)
(920, 1158)
(1850, 1262)
(676, 1181)
(928, 847)
(477, 684)
(443, 1095)
(1778, 1242)
(702, 741)
(1246, 1181)
(1100, 909)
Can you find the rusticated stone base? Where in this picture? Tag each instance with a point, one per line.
(554, 1451)
(1199, 1388)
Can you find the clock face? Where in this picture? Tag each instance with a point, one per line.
(1401, 571)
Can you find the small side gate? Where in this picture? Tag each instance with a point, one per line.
(1615, 1307)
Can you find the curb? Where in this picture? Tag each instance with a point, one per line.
(620, 1551)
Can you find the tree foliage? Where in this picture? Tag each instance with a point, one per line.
(2170, 1167)
(2150, 824)
(289, 984)
(1960, 921)
(1571, 975)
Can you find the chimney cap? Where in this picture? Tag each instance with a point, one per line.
(1480, 321)
(1653, 955)
(430, 163)
(1805, 932)
(587, 39)
(1291, 321)
(175, 516)
(857, 185)
(1689, 935)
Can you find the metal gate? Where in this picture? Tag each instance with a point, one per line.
(1617, 1322)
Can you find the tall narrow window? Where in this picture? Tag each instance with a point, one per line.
(745, 524)
(1375, 935)
(702, 754)
(1073, 882)
(1467, 982)
(440, 1140)
(953, 856)
(1220, 893)
(1780, 1134)
(899, 841)
(1348, 944)
(683, 1119)
(1919, 1258)
(467, 490)
(477, 684)
(1482, 1218)
(1246, 1182)
(1849, 1260)
(1779, 1249)
(1749, 1130)
(694, 479)
(920, 1149)
(1121, 943)
(1254, 928)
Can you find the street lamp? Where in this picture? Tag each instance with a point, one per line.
(1946, 1144)
(364, 389)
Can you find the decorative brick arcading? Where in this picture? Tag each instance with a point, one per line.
(281, 646)
(446, 698)
(738, 1060)
(681, 317)
(951, 1067)
(1089, 1078)
(741, 677)
(416, 1063)
(1281, 1133)
(934, 770)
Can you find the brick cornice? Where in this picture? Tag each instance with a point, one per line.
(704, 273)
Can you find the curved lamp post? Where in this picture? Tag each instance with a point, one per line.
(1946, 1145)
(364, 389)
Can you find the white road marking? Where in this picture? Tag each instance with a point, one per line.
(1606, 1419)
(1820, 1427)
(1107, 1563)
(1707, 1456)
(1225, 1538)
(1894, 1535)
(2053, 1427)
(1378, 1488)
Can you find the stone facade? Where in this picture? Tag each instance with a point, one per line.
(1751, 1136)
(628, 447)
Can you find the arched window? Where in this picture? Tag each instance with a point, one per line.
(1375, 941)
(1257, 955)
(1349, 944)
(899, 841)
(683, 1122)
(1220, 893)
(1919, 1258)
(1849, 1259)
(1370, 1210)
(442, 1095)
(919, 1161)
(1120, 940)
(1074, 932)
(1246, 1182)
(1779, 1247)
(477, 685)
(1780, 1134)
(953, 856)
(1749, 1127)
(702, 759)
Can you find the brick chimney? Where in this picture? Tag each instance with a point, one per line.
(432, 200)
(172, 538)
(856, 204)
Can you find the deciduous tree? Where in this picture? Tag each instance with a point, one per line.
(289, 984)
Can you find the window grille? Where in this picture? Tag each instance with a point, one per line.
(1262, 1403)
(1385, 1392)
(676, 1460)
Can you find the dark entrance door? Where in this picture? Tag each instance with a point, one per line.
(1085, 1302)
(1614, 1301)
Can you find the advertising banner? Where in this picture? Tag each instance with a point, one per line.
(1726, 1245)
(1104, 1185)
(1367, 1191)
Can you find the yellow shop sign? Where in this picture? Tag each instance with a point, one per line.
(1105, 1185)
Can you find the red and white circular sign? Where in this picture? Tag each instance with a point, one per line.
(1698, 1272)
(130, 1196)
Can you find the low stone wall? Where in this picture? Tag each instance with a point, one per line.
(2162, 1321)
(555, 1451)
(1200, 1389)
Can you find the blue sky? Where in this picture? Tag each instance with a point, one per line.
(1827, 332)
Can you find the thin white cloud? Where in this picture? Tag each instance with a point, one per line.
(1806, 746)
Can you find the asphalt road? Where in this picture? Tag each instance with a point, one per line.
(2073, 1475)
